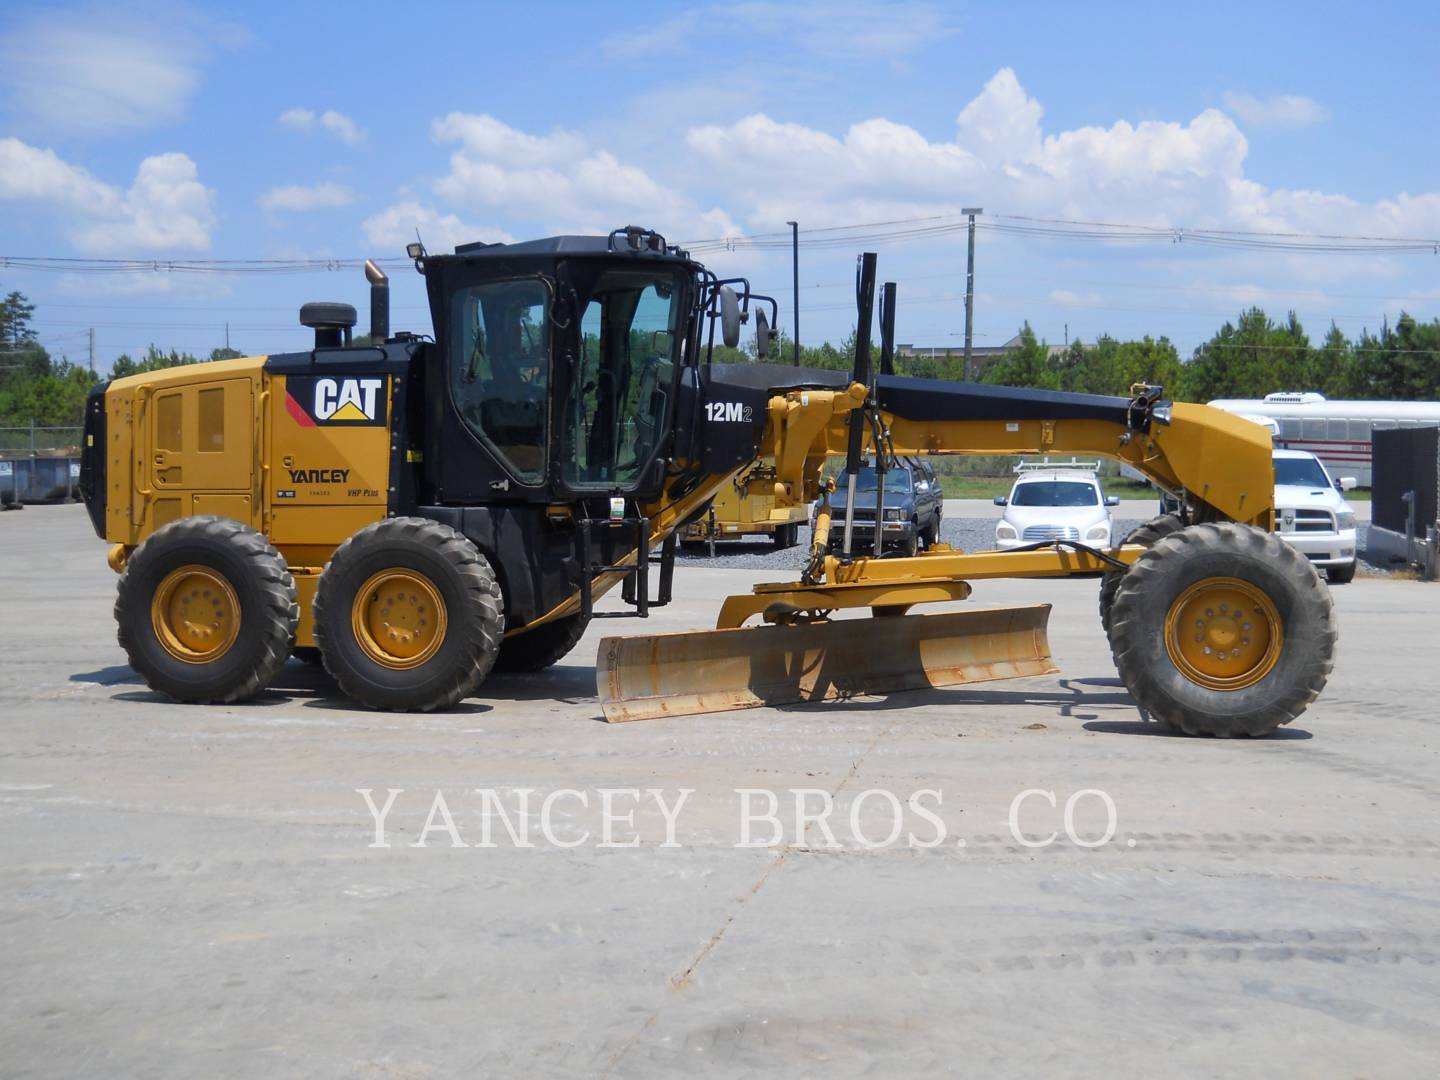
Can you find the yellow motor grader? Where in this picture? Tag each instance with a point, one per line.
(746, 509)
(416, 513)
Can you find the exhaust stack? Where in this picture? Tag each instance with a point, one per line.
(379, 303)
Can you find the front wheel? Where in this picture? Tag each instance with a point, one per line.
(1223, 630)
(1341, 575)
(1155, 529)
(910, 544)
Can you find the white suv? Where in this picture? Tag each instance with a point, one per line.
(1311, 515)
(1054, 504)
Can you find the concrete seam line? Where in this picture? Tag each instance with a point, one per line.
(682, 979)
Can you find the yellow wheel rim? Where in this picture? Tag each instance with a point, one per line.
(398, 619)
(196, 614)
(1223, 633)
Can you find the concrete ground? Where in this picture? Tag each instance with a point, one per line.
(191, 891)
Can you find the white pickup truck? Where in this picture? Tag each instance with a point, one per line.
(1310, 513)
(1312, 516)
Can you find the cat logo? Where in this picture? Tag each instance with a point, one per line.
(338, 400)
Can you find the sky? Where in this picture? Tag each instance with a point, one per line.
(326, 131)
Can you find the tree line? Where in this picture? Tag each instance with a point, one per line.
(1250, 357)
(36, 388)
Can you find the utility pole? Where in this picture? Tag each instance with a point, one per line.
(795, 277)
(970, 211)
(92, 350)
(227, 337)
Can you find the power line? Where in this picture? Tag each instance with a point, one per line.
(892, 231)
(69, 265)
(1072, 229)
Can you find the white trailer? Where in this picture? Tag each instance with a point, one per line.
(1337, 432)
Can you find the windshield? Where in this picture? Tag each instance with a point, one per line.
(896, 480)
(1054, 493)
(1300, 472)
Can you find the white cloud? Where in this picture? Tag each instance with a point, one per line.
(560, 181)
(342, 127)
(299, 119)
(1159, 172)
(100, 70)
(396, 226)
(1282, 110)
(336, 123)
(166, 208)
(1069, 299)
(28, 172)
(297, 198)
(835, 30)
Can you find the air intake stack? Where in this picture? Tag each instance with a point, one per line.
(331, 322)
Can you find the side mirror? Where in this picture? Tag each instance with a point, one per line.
(762, 335)
(1001, 500)
(1346, 483)
(1112, 500)
(729, 316)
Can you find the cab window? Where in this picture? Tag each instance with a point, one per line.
(499, 369)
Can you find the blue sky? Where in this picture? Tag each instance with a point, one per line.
(320, 130)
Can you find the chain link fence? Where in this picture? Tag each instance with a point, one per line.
(35, 441)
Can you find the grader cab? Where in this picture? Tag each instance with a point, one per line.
(415, 514)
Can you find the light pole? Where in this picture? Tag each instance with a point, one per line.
(970, 211)
(795, 281)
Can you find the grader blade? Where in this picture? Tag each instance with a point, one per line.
(647, 677)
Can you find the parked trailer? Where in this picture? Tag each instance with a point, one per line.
(1337, 432)
(39, 479)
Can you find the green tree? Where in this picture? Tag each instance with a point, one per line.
(155, 359)
(15, 315)
(1402, 363)
(1029, 364)
(1251, 358)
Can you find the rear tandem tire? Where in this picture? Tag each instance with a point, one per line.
(1155, 529)
(1341, 575)
(206, 610)
(536, 650)
(786, 536)
(440, 641)
(1224, 630)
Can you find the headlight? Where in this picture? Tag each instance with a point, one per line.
(892, 515)
(1005, 532)
(1346, 519)
(1098, 532)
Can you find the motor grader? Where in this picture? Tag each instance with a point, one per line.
(416, 513)
(745, 509)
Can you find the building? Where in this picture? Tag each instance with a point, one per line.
(981, 356)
